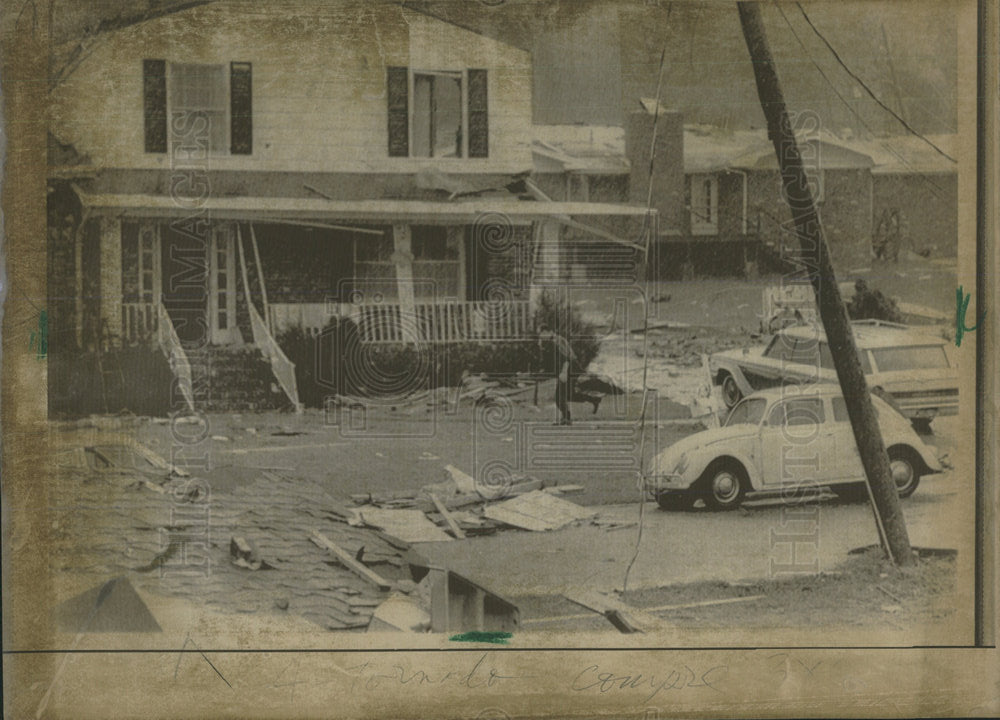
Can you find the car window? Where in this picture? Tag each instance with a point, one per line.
(920, 357)
(798, 411)
(780, 348)
(751, 410)
(806, 352)
(826, 359)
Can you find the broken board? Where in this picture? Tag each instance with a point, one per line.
(407, 525)
(538, 511)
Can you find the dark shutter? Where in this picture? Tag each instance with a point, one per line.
(479, 126)
(154, 104)
(240, 109)
(397, 91)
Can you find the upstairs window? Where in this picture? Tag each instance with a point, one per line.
(208, 106)
(437, 113)
(704, 205)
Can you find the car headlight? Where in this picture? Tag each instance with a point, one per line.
(682, 464)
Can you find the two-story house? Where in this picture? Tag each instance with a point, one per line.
(226, 172)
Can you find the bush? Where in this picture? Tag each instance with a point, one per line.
(381, 369)
(553, 313)
(869, 304)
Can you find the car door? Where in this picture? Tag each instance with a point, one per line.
(797, 444)
(845, 446)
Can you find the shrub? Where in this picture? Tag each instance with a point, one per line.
(870, 304)
(553, 313)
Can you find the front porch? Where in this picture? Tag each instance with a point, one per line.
(244, 272)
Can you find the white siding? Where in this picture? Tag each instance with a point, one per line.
(319, 74)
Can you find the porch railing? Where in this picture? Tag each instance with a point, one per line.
(139, 322)
(443, 322)
(171, 346)
(282, 368)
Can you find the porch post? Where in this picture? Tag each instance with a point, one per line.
(111, 276)
(548, 258)
(403, 257)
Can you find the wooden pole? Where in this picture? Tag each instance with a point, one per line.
(815, 257)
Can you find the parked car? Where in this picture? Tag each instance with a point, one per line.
(908, 366)
(781, 441)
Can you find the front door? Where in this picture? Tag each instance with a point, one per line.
(222, 287)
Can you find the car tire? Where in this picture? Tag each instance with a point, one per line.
(731, 393)
(675, 501)
(723, 485)
(905, 470)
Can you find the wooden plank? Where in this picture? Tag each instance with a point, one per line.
(349, 562)
(624, 617)
(455, 529)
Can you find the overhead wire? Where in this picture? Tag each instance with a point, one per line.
(867, 89)
(937, 189)
(649, 228)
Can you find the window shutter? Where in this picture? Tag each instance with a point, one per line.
(479, 128)
(397, 91)
(154, 104)
(240, 109)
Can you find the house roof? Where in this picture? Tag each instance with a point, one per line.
(277, 208)
(580, 149)
(713, 149)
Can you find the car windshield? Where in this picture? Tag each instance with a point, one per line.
(750, 411)
(922, 357)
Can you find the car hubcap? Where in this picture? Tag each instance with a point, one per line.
(726, 486)
(902, 473)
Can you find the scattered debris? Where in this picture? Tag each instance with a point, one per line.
(349, 562)
(537, 511)
(464, 482)
(113, 606)
(220, 438)
(407, 525)
(564, 489)
(452, 524)
(624, 617)
(459, 604)
(246, 554)
(400, 613)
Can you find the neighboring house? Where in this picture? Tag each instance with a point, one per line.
(228, 172)
(890, 191)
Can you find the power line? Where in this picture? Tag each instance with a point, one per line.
(936, 189)
(866, 88)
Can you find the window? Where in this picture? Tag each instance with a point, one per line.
(207, 107)
(439, 113)
(704, 205)
(926, 357)
(436, 260)
(750, 411)
(799, 411)
(826, 359)
(806, 352)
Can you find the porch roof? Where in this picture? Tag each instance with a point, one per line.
(381, 211)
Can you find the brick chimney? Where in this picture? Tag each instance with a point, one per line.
(668, 167)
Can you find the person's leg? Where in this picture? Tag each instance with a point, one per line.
(562, 402)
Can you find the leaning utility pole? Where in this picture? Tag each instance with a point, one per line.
(832, 313)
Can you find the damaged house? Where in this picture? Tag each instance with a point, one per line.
(223, 174)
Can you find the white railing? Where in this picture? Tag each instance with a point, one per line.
(443, 322)
(139, 322)
(282, 368)
(171, 346)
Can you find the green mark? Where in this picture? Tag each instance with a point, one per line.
(39, 339)
(961, 308)
(497, 638)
